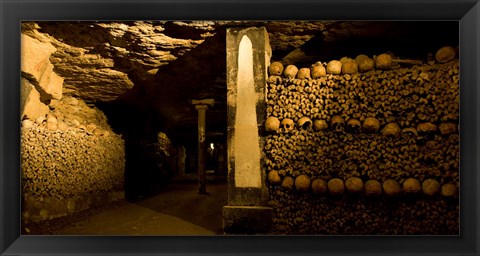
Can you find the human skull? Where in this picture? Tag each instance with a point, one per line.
(409, 132)
(334, 67)
(366, 64)
(276, 68)
(336, 186)
(373, 188)
(350, 67)
(288, 124)
(371, 124)
(411, 185)
(445, 54)
(383, 61)
(354, 185)
(320, 125)
(447, 128)
(337, 123)
(303, 73)
(430, 187)
(353, 125)
(290, 71)
(391, 130)
(319, 186)
(426, 130)
(272, 124)
(317, 70)
(302, 183)
(305, 123)
(391, 188)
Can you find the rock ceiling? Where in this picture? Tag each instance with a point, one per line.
(144, 73)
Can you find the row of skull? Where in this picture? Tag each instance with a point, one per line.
(354, 185)
(370, 125)
(362, 63)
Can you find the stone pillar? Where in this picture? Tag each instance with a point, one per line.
(202, 106)
(248, 56)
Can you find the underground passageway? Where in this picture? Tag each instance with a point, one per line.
(245, 127)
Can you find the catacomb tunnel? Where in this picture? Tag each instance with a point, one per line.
(310, 127)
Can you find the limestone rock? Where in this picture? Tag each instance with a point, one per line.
(34, 57)
(31, 106)
(50, 84)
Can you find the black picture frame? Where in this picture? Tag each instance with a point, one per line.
(12, 12)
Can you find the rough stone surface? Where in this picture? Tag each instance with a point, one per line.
(31, 106)
(35, 57)
(50, 85)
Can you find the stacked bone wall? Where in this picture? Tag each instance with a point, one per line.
(332, 171)
(71, 160)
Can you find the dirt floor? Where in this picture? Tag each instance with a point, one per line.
(177, 209)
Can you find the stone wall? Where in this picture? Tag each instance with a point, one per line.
(71, 159)
(364, 149)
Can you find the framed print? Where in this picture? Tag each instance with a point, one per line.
(206, 127)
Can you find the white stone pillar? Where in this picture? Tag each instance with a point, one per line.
(248, 56)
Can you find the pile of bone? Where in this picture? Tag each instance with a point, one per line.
(354, 185)
(62, 160)
(308, 214)
(366, 155)
(409, 96)
(387, 123)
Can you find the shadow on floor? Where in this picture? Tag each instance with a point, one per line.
(181, 199)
